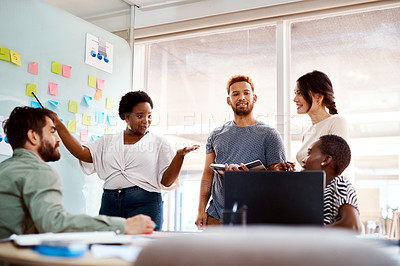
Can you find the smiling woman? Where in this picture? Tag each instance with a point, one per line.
(313, 96)
(135, 164)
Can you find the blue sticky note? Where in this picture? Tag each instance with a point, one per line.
(53, 103)
(88, 100)
(111, 120)
(99, 117)
(94, 137)
(35, 104)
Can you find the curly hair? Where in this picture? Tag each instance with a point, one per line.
(238, 78)
(21, 120)
(338, 148)
(129, 100)
(318, 82)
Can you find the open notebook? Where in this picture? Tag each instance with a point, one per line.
(106, 237)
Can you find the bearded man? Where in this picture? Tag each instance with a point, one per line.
(236, 142)
(31, 190)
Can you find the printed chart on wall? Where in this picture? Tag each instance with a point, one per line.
(5, 147)
(99, 53)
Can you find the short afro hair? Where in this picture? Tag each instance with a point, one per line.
(338, 148)
(129, 100)
(239, 78)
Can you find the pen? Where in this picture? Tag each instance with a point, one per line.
(37, 99)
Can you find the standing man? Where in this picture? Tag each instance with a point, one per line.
(239, 141)
(31, 190)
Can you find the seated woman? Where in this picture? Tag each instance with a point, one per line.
(332, 154)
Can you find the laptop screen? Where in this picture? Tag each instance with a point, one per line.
(277, 197)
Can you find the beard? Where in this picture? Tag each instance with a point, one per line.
(47, 152)
(242, 112)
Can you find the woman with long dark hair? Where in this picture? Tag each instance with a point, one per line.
(314, 96)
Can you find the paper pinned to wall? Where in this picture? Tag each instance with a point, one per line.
(71, 126)
(5, 54)
(84, 135)
(53, 88)
(109, 103)
(99, 53)
(111, 120)
(94, 137)
(73, 107)
(53, 103)
(35, 104)
(92, 81)
(100, 84)
(99, 117)
(86, 119)
(30, 88)
(98, 95)
(33, 68)
(15, 57)
(5, 147)
(88, 100)
(66, 71)
(56, 67)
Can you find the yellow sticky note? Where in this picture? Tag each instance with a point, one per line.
(56, 67)
(71, 126)
(98, 95)
(4, 54)
(86, 119)
(92, 81)
(30, 88)
(107, 131)
(73, 107)
(109, 103)
(15, 57)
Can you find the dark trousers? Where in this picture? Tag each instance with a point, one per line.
(131, 201)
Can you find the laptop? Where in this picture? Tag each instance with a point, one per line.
(277, 197)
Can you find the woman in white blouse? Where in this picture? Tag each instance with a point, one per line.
(135, 164)
(314, 96)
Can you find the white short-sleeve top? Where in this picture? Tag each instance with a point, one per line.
(333, 125)
(141, 164)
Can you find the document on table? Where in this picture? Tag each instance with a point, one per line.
(106, 237)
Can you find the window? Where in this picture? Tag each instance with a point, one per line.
(187, 79)
(360, 52)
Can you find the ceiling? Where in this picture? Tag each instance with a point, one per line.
(114, 15)
(93, 8)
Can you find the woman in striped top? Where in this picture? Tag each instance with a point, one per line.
(332, 154)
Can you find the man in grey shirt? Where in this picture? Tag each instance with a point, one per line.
(31, 190)
(236, 142)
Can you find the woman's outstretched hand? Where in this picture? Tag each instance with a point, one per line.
(186, 150)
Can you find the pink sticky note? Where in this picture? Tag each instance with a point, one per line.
(53, 89)
(84, 135)
(100, 84)
(66, 71)
(33, 68)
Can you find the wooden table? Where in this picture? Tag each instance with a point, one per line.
(13, 255)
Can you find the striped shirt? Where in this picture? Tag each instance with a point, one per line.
(338, 193)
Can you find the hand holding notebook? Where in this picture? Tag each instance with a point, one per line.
(256, 165)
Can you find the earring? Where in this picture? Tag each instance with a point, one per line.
(129, 127)
(322, 163)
